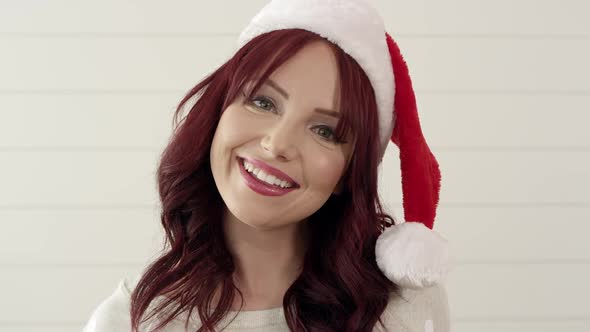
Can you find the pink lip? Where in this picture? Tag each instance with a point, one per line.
(261, 187)
(270, 170)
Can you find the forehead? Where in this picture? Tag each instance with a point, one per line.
(311, 74)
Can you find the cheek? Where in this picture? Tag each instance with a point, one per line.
(325, 170)
(231, 130)
(227, 136)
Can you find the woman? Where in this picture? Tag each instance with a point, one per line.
(269, 190)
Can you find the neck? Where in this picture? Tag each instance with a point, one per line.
(268, 261)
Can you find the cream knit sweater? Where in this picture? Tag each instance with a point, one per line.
(426, 310)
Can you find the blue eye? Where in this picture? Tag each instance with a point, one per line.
(330, 131)
(265, 102)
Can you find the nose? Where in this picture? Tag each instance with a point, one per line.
(280, 141)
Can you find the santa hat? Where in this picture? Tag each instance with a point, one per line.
(410, 254)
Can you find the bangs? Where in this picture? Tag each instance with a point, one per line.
(261, 56)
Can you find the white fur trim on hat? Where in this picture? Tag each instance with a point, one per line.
(412, 255)
(355, 26)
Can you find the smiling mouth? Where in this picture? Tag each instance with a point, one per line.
(255, 167)
(265, 176)
(261, 186)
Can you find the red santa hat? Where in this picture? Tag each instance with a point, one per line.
(410, 254)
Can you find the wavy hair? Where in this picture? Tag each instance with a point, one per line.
(340, 288)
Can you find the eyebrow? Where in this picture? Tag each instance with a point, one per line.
(282, 91)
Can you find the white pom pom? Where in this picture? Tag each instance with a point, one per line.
(412, 255)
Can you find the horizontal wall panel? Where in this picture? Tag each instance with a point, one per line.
(513, 121)
(54, 178)
(484, 17)
(526, 234)
(80, 236)
(110, 64)
(499, 178)
(76, 327)
(407, 17)
(515, 177)
(502, 64)
(122, 178)
(134, 236)
(144, 120)
(539, 326)
(79, 290)
(177, 63)
(519, 292)
(116, 121)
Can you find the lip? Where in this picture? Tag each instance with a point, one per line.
(270, 170)
(261, 187)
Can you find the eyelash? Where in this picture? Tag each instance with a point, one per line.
(268, 100)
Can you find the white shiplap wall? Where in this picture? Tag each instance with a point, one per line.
(87, 91)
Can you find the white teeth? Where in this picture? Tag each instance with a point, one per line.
(270, 179)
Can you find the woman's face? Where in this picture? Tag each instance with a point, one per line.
(285, 126)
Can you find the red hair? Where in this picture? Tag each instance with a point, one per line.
(340, 288)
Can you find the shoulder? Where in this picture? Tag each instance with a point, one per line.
(112, 314)
(417, 310)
